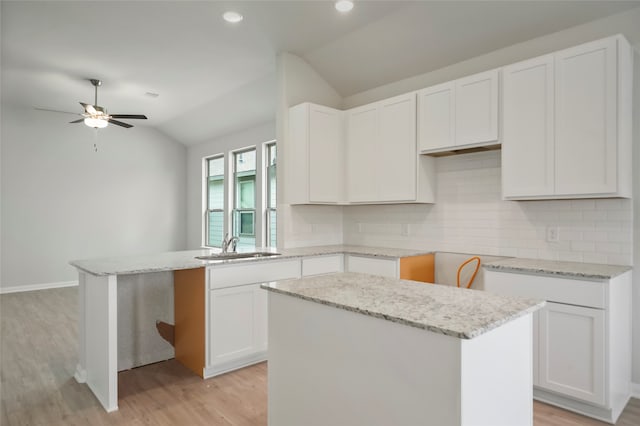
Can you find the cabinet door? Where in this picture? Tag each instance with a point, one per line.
(586, 83)
(397, 151)
(325, 154)
(436, 112)
(528, 130)
(373, 266)
(572, 348)
(238, 317)
(362, 155)
(477, 108)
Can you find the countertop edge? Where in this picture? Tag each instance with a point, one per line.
(403, 321)
(557, 273)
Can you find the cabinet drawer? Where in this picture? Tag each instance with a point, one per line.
(373, 266)
(322, 265)
(250, 273)
(552, 289)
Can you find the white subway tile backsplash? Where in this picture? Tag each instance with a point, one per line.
(470, 216)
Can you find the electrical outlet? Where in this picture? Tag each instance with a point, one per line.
(553, 234)
(404, 231)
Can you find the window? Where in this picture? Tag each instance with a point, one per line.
(270, 204)
(214, 216)
(244, 182)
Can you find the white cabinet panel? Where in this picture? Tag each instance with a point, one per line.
(528, 129)
(362, 154)
(397, 153)
(436, 112)
(322, 265)
(572, 345)
(369, 265)
(316, 143)
(477, 108)
(567, 123)
(586, 83)
(325, 155)
(222, 276)
(237, 323)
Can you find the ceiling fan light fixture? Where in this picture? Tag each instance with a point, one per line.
(232, 16)
(343, 5)
(97, 123)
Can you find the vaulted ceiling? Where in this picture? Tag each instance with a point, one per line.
(214, 78)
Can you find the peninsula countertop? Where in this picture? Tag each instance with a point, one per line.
(452, 311)
(177, 260)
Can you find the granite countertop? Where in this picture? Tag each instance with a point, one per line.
(592, 271)
(441, 309)
(176, 260)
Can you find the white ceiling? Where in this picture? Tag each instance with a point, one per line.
(215, 78)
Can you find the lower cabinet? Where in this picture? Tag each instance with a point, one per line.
(372, 265)
(416, 268)
(581, 339)
(571, 341)
(237, 326)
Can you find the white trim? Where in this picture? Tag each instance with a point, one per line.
(34, 287)
(635, 390)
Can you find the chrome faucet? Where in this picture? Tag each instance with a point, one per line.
(229, 243)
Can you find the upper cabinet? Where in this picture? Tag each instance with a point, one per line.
(567, 123)
(316, 149)
(383, 165)
(459, 114)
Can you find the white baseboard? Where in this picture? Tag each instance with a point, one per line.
(34, 287)
(635, 390)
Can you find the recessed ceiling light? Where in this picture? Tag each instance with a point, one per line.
(233, 17)
(344, 5)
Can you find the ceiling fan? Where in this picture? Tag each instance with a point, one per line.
(97, 116)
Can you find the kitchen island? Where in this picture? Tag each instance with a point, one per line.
(347, 349)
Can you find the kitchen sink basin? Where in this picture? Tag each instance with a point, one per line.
(229, 256)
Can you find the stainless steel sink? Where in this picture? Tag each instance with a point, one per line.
(229, 256)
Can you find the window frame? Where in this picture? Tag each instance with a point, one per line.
(207, 209)
(235, 211)
(270, 240)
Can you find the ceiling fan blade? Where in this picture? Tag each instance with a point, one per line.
(130, 116)
(89, 108)
(55, 110)
(120, 123)
(80, 120)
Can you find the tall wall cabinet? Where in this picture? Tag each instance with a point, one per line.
(567, 123)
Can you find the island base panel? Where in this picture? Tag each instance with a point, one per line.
(189, 313)
(332, 366)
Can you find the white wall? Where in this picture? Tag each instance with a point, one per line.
(254, 136)
(302, 225)
(61, 200)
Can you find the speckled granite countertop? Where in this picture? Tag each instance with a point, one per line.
(176, 260)
(441, 309)
(592, 271)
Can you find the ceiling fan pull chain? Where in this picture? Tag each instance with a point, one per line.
(95, 139)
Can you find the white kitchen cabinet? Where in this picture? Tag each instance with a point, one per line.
(383, 165)
(581, 339)
(477, 109)
(567, 123)
(372, 265)
(436, 117)
(327, 264)
(316, 144)
(459, 114)
(528, 130)
(571, 340)
(362, 154)
(237, 324)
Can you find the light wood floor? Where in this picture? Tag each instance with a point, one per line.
(38, 344)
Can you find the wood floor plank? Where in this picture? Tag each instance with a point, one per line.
(38, 354)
